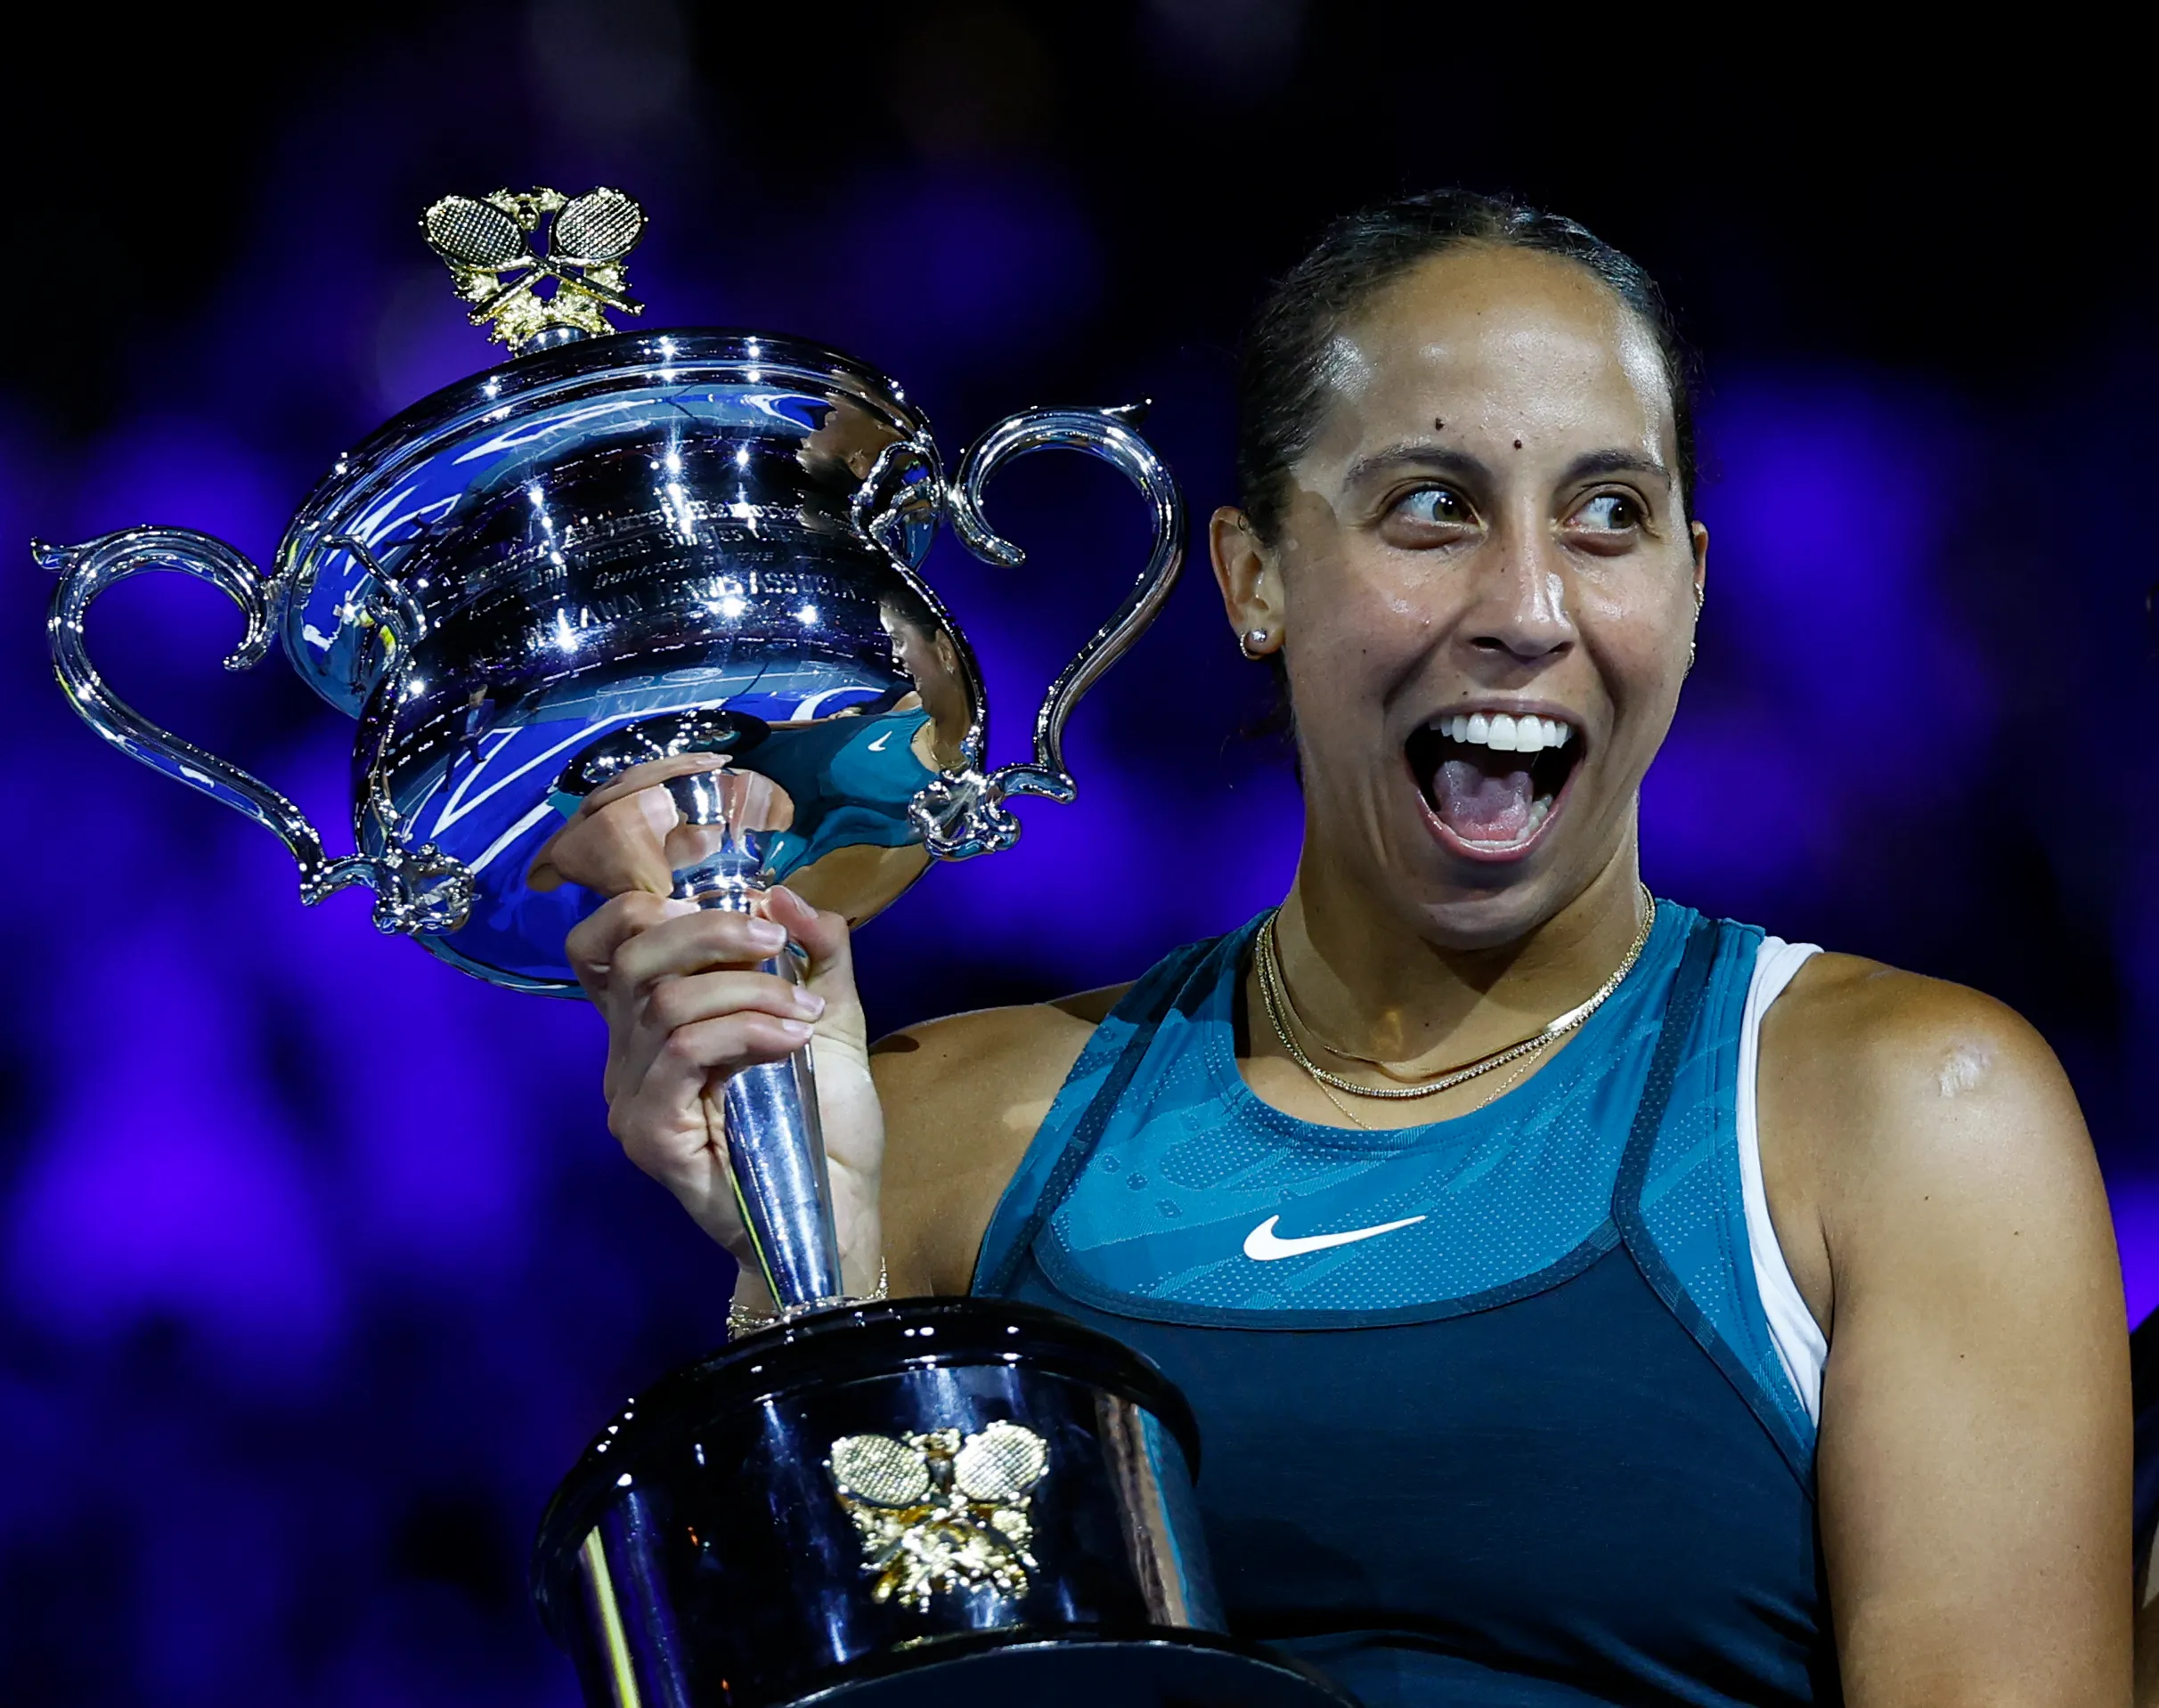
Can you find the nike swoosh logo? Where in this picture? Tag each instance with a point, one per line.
(878, 746)
(1263, 1245)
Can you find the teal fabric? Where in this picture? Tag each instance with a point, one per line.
(1538, 1439)
(1516, 1194)
(851, 779)
(1679, 1207)
(1158, 1185)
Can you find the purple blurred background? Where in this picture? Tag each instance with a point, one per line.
(319, 1265)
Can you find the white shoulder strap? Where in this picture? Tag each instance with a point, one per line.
(1800, 1344)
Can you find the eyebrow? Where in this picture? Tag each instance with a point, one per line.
(1592, 464)
(1443, 458)
(1446, 459)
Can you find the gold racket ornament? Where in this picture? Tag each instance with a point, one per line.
(501, 247)
(939, 1513)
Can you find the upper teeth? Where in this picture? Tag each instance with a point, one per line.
(1505, 733)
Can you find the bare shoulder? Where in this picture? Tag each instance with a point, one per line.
(1864, 1039)
(1908, 1121)
(1936, 1198)
(1026, 1042)
(962, 1097)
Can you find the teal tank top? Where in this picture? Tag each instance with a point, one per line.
(1490, 1411)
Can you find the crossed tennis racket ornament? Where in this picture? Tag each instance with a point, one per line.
(939, 1513)
(501, 247)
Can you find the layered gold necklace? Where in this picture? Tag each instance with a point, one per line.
(1274, 993)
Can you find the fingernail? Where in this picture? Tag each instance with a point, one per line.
(764, 934)
(808, 1002)
(796, 1030)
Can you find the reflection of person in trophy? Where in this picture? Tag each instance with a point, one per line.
(844, 437)
(853, 777)
(838, 788)
(1581, 1298)
(626, 835)
(924, 649)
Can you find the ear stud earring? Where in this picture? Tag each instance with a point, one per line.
(1253, 643)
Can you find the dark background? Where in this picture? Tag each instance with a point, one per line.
(319, 1265)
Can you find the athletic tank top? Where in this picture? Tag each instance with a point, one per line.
(1492, 1411)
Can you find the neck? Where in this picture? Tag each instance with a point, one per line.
(1370, 984)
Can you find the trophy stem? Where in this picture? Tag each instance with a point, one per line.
(775, 1141)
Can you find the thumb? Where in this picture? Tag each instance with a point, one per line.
(824, 938)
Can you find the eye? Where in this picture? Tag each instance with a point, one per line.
(1609, 513)
(1435, 507)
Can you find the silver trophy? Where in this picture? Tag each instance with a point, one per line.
(702, 547)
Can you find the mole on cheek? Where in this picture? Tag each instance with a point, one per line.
(1518, 444)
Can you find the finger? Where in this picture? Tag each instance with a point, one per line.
(698, 941)
(677, 1003)
(676, 1083)
(824, 937)
(593, 943)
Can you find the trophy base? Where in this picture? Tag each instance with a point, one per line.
(1190, 1670)
(885, 1502)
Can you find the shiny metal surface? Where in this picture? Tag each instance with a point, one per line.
(775, 1139)
(643, 543)
(710, 1533)
(417, 888)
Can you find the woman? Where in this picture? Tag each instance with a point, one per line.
(1580, 1300)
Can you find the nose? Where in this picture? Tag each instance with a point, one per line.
(1523, 609)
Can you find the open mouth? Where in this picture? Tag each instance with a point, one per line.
(1493, 780)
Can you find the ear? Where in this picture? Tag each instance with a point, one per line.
(1250, 580)
(1698, 535)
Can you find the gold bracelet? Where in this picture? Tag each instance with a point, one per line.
(742, 1320)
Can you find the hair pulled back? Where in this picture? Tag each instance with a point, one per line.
(1282, 378)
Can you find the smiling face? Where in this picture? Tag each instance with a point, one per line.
(1483, 585)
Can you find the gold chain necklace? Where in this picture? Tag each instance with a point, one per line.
(1274, 994)
(1486, 1101)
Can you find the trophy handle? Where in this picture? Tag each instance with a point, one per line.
(963, 815)
(417, 889)
(1106, 433)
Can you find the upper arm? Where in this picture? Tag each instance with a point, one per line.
(1973, 1457)
(962, 1099)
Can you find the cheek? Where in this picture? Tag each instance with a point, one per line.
(1348, 611)
(1639, 646)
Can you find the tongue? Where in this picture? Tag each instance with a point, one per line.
(1481, 806)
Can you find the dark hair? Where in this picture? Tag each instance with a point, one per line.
(1282, 376)
(909, 606)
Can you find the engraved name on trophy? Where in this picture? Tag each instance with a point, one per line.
(620, 547)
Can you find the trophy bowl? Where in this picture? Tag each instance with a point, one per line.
(703, 547)
(618, 549)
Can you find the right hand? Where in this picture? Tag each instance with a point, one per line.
(686, 1009)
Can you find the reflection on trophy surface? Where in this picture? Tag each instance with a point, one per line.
(642, 611)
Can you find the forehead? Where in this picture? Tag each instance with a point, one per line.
(1501, 342)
